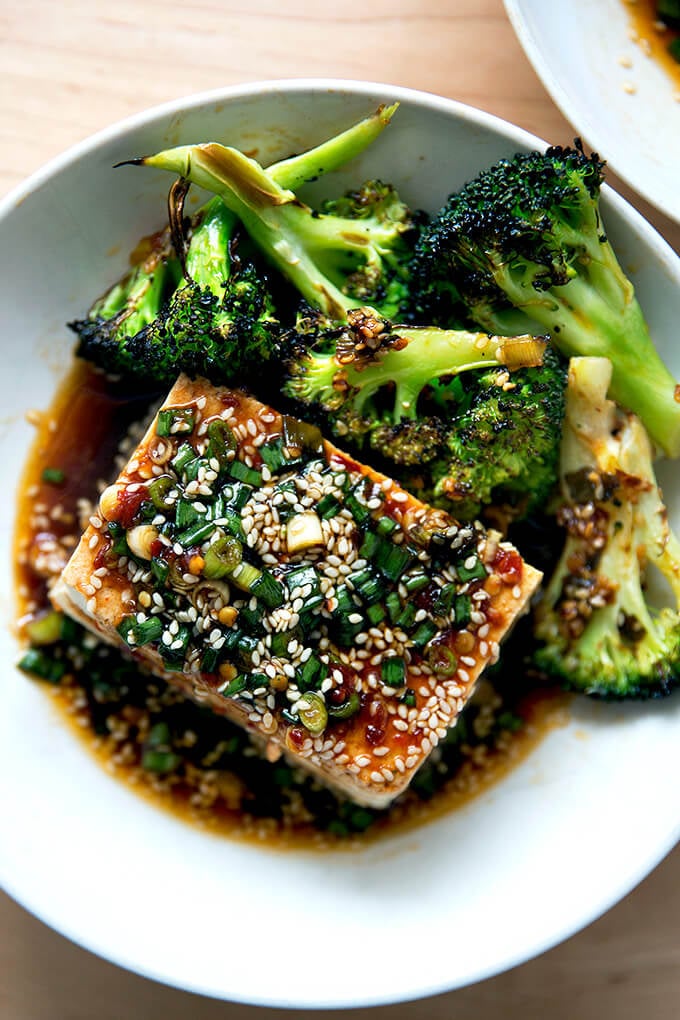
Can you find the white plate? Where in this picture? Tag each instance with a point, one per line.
(575, 47)
(522, 867)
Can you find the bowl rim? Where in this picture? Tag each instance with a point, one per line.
(560, 95)
(514, 135)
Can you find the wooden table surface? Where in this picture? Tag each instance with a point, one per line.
(68, 69)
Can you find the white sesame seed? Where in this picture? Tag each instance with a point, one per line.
(377, 777)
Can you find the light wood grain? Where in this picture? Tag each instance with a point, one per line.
(68, 69)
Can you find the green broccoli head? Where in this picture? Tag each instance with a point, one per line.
(502, 442)
(527, 236)
(228, 340)
(131, 304)
(597, 628)
(382, 279)
(218, 321)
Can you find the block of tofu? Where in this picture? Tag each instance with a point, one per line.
(301, 594)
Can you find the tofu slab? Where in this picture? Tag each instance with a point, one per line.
(355, 635)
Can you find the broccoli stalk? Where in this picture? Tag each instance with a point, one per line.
(337, 262)
(406, 359)
(528, 232)
(598, 631)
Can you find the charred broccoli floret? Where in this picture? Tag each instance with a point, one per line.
(171, 309)
(501, 446)
(356, 252)
(219, 321)
(462, 418)
(527, 235)
(597, 628)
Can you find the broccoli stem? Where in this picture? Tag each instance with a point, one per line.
(429, 354)
(249, 192)
(331, 155)
(597, 314)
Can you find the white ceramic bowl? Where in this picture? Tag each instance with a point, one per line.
(576, 48)
(527, 864)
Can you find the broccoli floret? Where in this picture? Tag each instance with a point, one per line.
(336, 262)
(501, 447)
(527, 235)
(134, 303)
(381, 283)
(490, 422)
(219, 322)
(598, 630)
(131, 304)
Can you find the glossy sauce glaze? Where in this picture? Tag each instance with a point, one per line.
(185, 757)
(654, 37)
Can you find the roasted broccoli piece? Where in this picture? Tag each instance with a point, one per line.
(158, 277)
(463, 419)
(356, 252)
(219, 322)
(597, 628)
(501, 445)
(527, 235)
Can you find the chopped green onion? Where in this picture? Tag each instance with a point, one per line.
(45, 629)
(415, 583)
(38, 663)
(160, 761)
(138, 634)
(268, 590)
(368, 585)
(312, 674)
(463, 610)
(392, 560)
(234, 687)
(444, 602)
(242, 473)
(407, 616)
(375, 614)
(196, 534)
(222, 557)
(442, 659)
(328, 507)
(210, 659)
(408, 698)
(185, 454)
(349, 707)
(369, 546)
(173, 420)
(358, 510)
(300, 437)
(221, 441)
(393, 604)
(242, 574)
(53, 476)
(425, 632)
(174, 654)
(118, 535)
(160, 569)
(386, 525)
(393, 672)
(277, 456)
(312, 713)
(158, 490)
(474, 573)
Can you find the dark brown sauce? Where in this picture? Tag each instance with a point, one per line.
(653, 37)
(79, 436)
